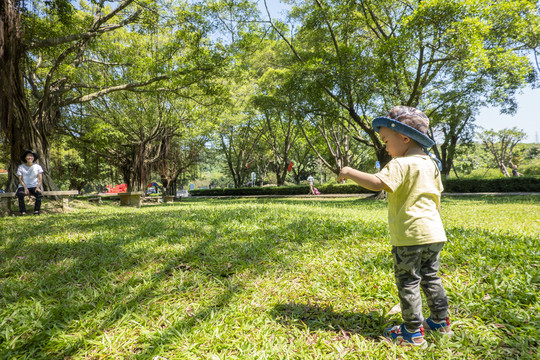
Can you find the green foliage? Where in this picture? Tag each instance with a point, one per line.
(448, 58)
(501, 145)
(503, 184)
(282, 190)
(260, 279)
(530, 168)
(474, 185)
(532, 152)
(353, 60)
(3, 181)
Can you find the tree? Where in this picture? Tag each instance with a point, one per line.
(34, 69)
(304, 160)
(75, 167)
(456, 123)
(332, 143)
(73, 56)
(368, 56)
(238, 123)
(501, 145)
(182, 155)
(182, 152)
(132, 146)
(279, 129)
(239, 143)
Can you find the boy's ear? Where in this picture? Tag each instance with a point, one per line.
(406, 139)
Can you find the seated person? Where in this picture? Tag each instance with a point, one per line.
(30, 179)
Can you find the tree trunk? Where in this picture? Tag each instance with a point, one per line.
(23, 130)
(281, 174)
(455, 172)
(173, 185)
(13, 103)
(503, 169)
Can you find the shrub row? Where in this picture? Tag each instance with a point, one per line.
(513, 184)
(504, 184)
(281, 190)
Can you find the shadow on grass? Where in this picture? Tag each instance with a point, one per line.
(318, 318)
(105, 250)
(80, 268)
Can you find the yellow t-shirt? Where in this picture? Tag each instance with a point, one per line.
(413, 203)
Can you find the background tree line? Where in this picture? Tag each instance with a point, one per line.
(134, 91)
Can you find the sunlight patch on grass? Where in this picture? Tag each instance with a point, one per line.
(259, 279)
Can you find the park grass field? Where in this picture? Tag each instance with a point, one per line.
(259, 279)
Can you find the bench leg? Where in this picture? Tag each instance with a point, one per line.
(136, 200)
(65, 203)
(5, 206)
(124, 200)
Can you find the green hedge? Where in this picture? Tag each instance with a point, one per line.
(503, 184)
(512, 184)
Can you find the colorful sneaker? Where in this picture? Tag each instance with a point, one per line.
(402, 337)
(442, 327)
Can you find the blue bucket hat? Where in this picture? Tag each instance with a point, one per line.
(410, 122)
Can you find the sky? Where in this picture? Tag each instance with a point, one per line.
(527, 117)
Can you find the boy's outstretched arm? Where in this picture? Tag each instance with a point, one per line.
(365, 180)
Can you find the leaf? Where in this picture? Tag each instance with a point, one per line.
(395, 310)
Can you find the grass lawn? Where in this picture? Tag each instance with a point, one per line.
(259, 279)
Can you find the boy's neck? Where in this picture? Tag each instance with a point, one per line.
(414, 150)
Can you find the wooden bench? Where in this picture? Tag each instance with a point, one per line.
(168, 199)
(151, 199)
(95, 199)
(6, 198)
(131, 198)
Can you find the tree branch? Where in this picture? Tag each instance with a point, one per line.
(97, 94)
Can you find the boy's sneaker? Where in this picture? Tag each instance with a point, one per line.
(402, 337)
(442, 327)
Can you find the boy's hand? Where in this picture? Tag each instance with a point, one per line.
(342, 177)
(366, 180)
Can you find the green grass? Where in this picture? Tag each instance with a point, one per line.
(259, 279)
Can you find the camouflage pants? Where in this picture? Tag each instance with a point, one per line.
(414, 266)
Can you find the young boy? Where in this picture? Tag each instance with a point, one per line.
(413, 182)
(30, 179)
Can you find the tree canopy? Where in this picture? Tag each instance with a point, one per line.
(133, 80)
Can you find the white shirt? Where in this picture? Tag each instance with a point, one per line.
(310, 179)
(29, 174)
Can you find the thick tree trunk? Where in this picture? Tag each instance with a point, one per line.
(171, 189)
(13, 104)
(281, 173)
(22, 130)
